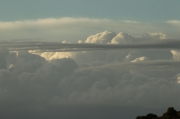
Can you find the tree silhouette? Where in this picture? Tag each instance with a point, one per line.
(148, 116)
(170, 114)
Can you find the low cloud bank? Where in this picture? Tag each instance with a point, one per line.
(30, 77)
(132, 79)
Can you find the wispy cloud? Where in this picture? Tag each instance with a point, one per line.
(174, 22)
(64, 47)
(148, 65)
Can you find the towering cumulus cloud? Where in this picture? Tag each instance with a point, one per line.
(77, 84)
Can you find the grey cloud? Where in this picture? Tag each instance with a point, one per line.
(83, 112)
(149, 65)
(35, 86)
(165, 44)
(3, 54)
(119, 88)
(107, 41)
(64, 88)
(46, 76)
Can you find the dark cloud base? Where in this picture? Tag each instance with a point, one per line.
(67, 47)
(78, 112)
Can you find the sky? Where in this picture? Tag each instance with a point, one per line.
(139, 10)
(88, 59)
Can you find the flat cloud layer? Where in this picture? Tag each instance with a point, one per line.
(70, 29)
(90, 84)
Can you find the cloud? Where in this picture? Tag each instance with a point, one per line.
(140, 59)
(174, 22)
(139, 64)
(70, 29)
(65, 47)
(55, 82)
(67, 84)
(176, 54)
(122, 89)
(91, 53)
(103, 37)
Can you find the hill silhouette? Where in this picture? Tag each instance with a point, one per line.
(171, 113)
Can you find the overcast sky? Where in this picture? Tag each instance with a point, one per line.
(88, 59)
